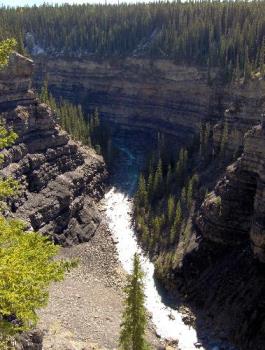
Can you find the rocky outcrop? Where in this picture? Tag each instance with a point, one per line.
(32, 340)
(60, 180)
(15, 83)
(242, 105)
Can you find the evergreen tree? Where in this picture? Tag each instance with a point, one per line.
(174, 232)
(6, 48)
(169, 176)
(142, 195)
(189, 192)
(213, 34)
(158, 180)
(170, 209)
(132, 336)
(44, 94)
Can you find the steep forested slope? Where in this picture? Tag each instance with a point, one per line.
(226, 34)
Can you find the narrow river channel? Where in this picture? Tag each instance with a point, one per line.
(118, 206)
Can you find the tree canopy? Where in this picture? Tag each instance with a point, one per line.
(228, 34)
(6, 47)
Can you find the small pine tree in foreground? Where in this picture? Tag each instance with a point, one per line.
(132, 336)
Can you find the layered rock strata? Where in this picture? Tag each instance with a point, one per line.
(60, 180)
(131, 92)
(157, 94)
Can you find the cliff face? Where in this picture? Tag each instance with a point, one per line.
(236, 206)
(156, 94)
(242, 106)
(222, 270)
(133, 92)
(61, 181)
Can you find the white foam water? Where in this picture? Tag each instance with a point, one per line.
(118, 211)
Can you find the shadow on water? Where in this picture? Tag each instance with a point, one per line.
(130, 150)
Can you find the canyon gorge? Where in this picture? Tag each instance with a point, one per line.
(221, 270)
(226, 248)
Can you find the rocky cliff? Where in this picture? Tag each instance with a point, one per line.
(156, 94)
(139, 93)
(222, 269)
(60, 181)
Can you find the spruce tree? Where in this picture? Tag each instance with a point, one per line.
(158, 180)
(170, 209)
(132, 336)
(142, 196)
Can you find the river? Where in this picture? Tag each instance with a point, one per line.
(118, 205)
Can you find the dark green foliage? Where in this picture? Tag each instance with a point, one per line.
(226, 34)
(72, 119)
(132, 336)
(163, 202)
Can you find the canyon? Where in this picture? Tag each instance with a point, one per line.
(63, 181)
(61, 186)
(226, 249)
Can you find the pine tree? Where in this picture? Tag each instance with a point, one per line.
(189, 193)
(6, 48)
(262, 58)
(132, 336)
(158, 180)
(174, 232)
(169, 176)
(170, 209)
(142, 195)
(247, 65)
(44, 94)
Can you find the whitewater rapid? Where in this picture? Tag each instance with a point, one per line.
(118, 211)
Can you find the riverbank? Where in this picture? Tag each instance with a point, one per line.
(84, 311)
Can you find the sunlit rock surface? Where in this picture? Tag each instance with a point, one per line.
(61, 181)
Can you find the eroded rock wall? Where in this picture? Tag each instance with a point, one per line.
(132, 92)
(157, 94)
(61, 181)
